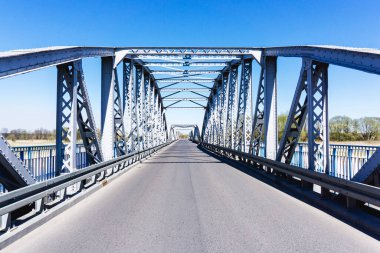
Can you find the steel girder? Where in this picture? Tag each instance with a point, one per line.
(258, 118)
(184, 72)
(231, 108)
(296, 119)
(318, 127)
(146, 111)
(21, 61)
(369, 173)
(151, 121)
(119, 130)
(311, 98)
(143, 111)
(74, 110)
(217, 111)
(223, 108)
(244, 112)
(129, 114)
(139, 107)
(186, 64)
(265, 115)
(13, 173)
(187, 80)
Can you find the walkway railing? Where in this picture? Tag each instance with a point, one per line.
(38, 192)
(40, 160)
(345, 160)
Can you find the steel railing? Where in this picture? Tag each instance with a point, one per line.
(345, 160)
(357, 191)
(16, 199)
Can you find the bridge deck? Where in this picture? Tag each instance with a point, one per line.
(183, 200)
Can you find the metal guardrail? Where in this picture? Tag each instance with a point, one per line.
(14, 200)
(40, 160)
(353, 190)
(345, 160)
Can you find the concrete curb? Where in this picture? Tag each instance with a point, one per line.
(30, 225)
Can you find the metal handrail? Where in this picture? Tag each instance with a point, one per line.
(362, 192)
(18, 198)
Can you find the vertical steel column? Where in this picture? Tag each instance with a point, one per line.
(128, 101)
(204, 125)
(159, 123)
(119, 131)
(66, 121)
(223, 111)
(145, 114)
(156, 121)
(317, 103)
(244, 113)
(74, 112)
(218, 112)
(151, 114)
(107, 107)
(230, 136)
(62, 115)
(258, 118)
(212, 118)
(311, 98)
(270, 107)
(138, 107)
(164, 131)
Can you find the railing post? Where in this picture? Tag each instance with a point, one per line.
(349, 155)
(300, 155)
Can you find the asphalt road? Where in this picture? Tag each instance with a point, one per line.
(183, 200)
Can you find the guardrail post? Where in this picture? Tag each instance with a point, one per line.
(333, 162)
(300, 155)
(349, 157)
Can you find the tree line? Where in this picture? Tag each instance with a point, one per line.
(38, 134)
(342, 128)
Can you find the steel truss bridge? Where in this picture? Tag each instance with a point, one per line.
(239, 124)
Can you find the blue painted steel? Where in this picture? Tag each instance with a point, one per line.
(345, 160)
(40, 160)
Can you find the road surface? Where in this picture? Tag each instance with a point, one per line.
(183, 200)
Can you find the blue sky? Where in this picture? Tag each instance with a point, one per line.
(28, 101)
